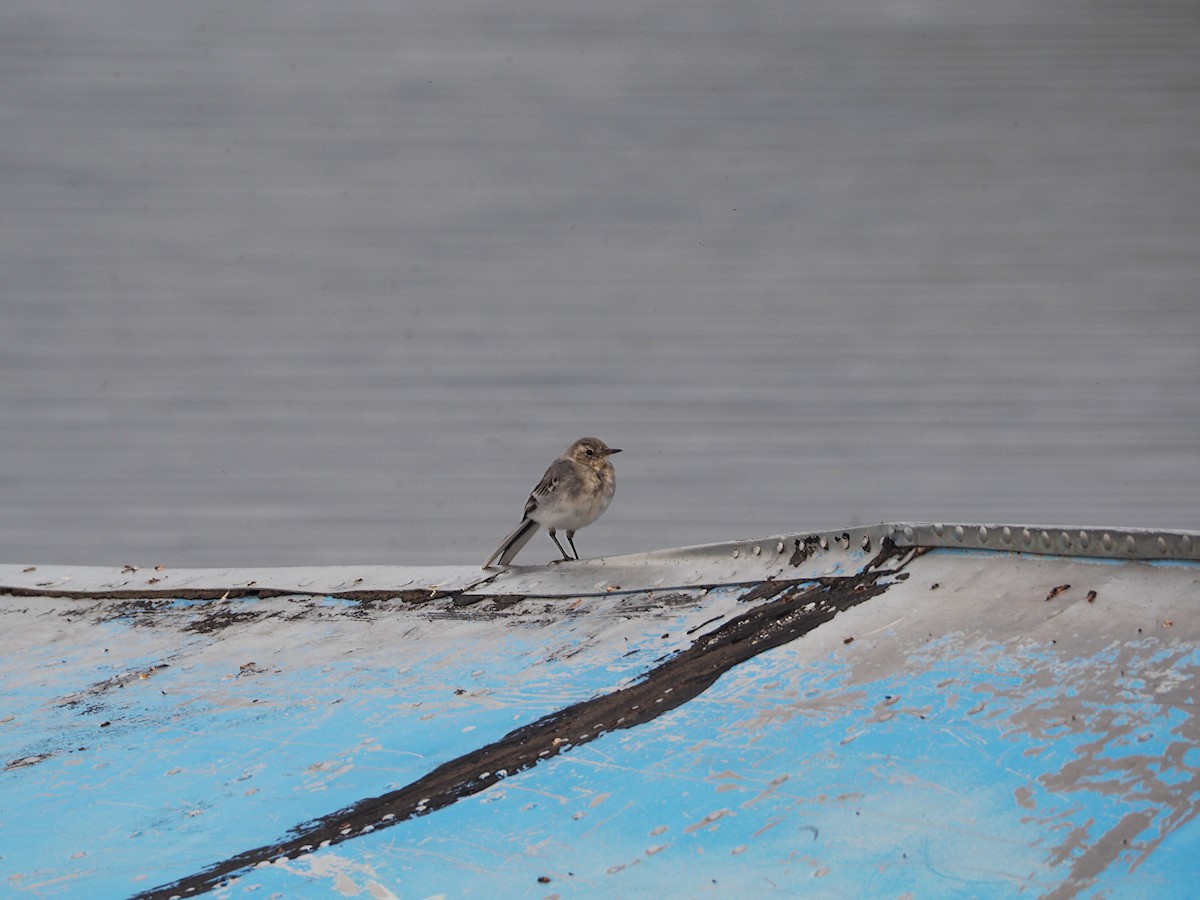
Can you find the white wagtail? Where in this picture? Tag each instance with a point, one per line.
(575, 490)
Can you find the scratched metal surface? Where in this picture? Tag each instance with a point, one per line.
(988, 743)
(973, 729)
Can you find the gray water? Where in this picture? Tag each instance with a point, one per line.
(315, 283)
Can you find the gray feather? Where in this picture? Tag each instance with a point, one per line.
(513, 542)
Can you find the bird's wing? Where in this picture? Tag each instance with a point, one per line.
(561, 472)
(558, 472)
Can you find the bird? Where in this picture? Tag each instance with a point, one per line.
(573, 493)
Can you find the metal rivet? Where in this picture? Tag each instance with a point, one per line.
(1130, 544)
(824, 542)
(1162, 544)
(736, 553)
(779, 547)
(983, 534)
(757, 550)
(1065, 539)
(866, 542)
(909, 533)
(1045, 536)
(959, 533)
(939, 529)
(1084, 539)
(1006, 534)
(1106, 541)
(1185, 544)
(1026, 537)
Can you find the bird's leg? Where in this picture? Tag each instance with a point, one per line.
(554, 537)
(571, 541)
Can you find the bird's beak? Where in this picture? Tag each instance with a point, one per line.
(612, 450)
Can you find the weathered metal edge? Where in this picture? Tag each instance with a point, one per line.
(799, 556)
(1054, 540)
(823, 554)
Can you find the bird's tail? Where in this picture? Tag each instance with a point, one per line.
(512, 544)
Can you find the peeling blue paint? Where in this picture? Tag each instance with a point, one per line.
(964, 733)
(888, 786)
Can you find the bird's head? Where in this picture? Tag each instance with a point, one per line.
(590, 451)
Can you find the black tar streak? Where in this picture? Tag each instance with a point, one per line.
(683, 677)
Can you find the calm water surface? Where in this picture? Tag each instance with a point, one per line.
(312, 283)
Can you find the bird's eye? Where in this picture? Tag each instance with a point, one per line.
(590, 452)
